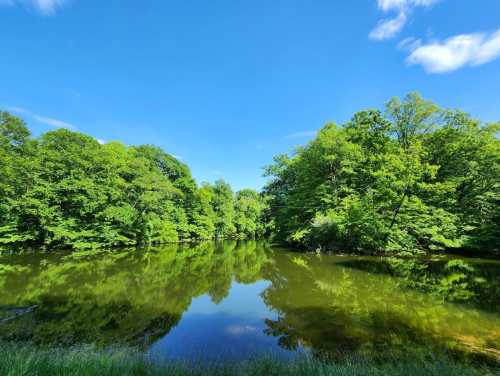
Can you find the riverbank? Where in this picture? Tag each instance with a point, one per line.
(21, 359)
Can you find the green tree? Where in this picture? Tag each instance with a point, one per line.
(202, 213)
(65, 190)
(417, 178)
(223, 206)
(249, 211)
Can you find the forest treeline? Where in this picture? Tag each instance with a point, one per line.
(66, 190)
(412, 178)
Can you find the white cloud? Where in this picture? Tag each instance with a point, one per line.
(388, 28)
(457, 52)
(437, 56)
(100, 141)
(387, 5)
(304, 134)
(46, 7)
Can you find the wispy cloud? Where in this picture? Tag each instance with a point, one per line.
(17, 110)
(54, 122)
(45, 7)
(304, 134)
(41, 119)
(457, 52)
(436, 56)
(409, 44)
(390, 27)
(387, 5)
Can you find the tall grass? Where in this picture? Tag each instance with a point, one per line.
(17, 360)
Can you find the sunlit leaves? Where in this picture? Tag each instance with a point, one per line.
(419, 178)
(66, 190)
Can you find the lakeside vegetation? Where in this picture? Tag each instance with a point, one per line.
(66, 190)
(23, 359)
(413, 179)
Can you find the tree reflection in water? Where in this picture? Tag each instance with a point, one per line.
(327, 304)
(130, 297)
(339, 305)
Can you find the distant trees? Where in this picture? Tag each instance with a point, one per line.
(64, 189)
(415, 178)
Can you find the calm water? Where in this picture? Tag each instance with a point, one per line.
(233, 300)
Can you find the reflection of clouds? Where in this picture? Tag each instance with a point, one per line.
(236, 330)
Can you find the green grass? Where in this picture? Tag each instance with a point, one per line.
(16, 360)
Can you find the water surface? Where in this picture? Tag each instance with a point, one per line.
(236, 300)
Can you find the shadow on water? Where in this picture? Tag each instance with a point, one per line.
(243, 296)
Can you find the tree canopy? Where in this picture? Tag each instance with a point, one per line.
(414, 178)
(64, 189)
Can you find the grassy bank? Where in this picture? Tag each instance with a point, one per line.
(18, 360)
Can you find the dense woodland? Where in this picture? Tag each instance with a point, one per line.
(411, 179)
(414, 178)
(64, 189)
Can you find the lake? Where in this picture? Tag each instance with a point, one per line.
(235, 300)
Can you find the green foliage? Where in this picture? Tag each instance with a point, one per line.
(223, 205)
(64, 189)
(415, 179)
(249, 206)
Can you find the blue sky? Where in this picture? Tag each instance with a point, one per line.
(226, 85)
